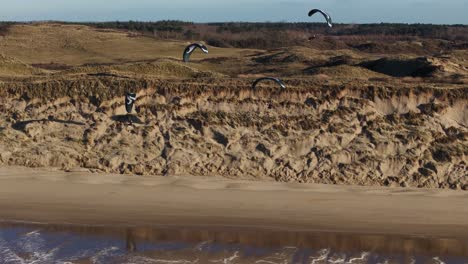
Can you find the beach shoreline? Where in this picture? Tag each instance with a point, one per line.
(51, 196)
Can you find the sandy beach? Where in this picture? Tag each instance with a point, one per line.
(79, 197)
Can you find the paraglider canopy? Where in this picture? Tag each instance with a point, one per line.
(130, 99)
(278, 81)
(327, 16)
(190, 48)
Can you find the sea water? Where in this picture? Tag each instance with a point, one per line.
(46, 244)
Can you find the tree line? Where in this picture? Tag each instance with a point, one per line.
(275, 34)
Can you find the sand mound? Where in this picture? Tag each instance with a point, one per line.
(291, 55)
(160, 69)
(344, 71)
(13, 67)
(391, 46)
(300, 61)
(77, 45)
(282, 56)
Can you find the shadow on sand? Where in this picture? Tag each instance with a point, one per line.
(22, 124)
(132, 119)
(106, 74)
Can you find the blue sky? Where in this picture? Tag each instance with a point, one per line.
(342, 11)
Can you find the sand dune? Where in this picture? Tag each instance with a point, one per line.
(348, 117)
(75, 45)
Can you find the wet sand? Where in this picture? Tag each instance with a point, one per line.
(83, 198)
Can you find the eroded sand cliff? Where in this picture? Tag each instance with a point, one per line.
(353, 133)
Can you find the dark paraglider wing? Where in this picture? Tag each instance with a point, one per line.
(327, 16)
(203, 48)
(283, 86)
(329, 20)
(130, 101)
(190, 48)
(278, 81)
(313, 11)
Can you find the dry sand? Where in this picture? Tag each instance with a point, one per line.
(48, 196)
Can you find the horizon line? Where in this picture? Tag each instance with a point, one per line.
(219, 22)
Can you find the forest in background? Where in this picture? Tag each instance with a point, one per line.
(269, 35)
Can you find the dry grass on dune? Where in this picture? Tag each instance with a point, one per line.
(164, 68)
(13, 67)
(76, 49)
(77, 45)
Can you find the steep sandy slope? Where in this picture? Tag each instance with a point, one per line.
(355, 133)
